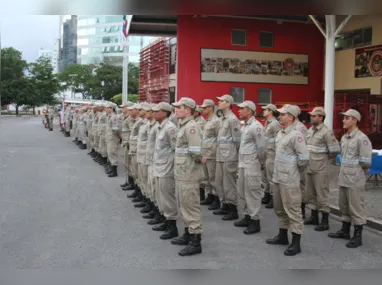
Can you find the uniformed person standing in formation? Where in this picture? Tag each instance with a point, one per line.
(89, 127)
(112, 138)
(299, 126)
(292, 157)
(201, 122)
(163, 171)
(227, 160)
(127, 125)
(251, 162)
(356, 154)
(50, 113)
(81, 127)
(188, 175)
(67, 120)
(209, 144)
(272, 127)
(97, 112)
(323, 147)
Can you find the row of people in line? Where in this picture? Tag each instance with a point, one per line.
(168, 155)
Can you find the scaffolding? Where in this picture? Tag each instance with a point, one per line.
(154, 72)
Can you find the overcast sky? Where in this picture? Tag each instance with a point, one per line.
(29, 33)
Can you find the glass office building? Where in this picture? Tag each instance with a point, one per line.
(99, 39)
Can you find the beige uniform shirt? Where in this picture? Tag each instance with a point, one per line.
(134, 136)
(142, 141)
(165, 149)
(89, 122)
(174, 120)
(95, 123)
(210, 137)
(272, 127)
(292, 156)
(153, 130)
(252, 145)
(113, 126)
(228, 138)
(301, 128)
(127, 124)
(102, 123)
(356, 154)
(322, 146)
(188, 152)
(201, 122)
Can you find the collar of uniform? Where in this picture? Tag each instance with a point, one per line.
(288, 129)
(319, 127)
(163, 123)
(152, 122)
(228, 114)
(271, 120)
(353, 133)
(186, 120)
(197, 119)
(250, 121)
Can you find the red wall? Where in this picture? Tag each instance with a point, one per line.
(212, 32)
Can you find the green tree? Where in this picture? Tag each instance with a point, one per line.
(133, 79)
(78, 77)
(14, 86)
(117, 99)
(111, 76)
(46, 84)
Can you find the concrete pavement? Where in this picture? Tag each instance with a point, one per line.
(58, 209)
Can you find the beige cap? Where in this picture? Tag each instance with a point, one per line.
(164, 106)
(127, 104)
(270, 107)
(288, 109)
(208, 103)
(136, 106)
(146, 106)
(110, 105)
(318, 111)
(186, 102)
(198, 109)
(297, 109)
(248, 104)
(353, 113)
(226, 97)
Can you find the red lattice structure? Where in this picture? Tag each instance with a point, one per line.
(154, 72)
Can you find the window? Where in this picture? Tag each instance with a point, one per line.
(239, 38)
(353, 39)
(238, 94)
(264, 96)
(266, 40)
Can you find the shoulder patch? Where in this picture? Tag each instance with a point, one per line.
(300, 139)
(192, 131)
(365, 142)
(172, 131)
(258, 129)
(303, 131)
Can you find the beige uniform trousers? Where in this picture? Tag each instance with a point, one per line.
(268, 171)
(287, 205)
(112, 151)
(96, 141)
(166, 197)
(151, 185)
(102, 145)
(317, 191)
(250, 192)
(142, 170)
(133, 167)
(226, 173)
(188, 196)
(351, 202)
(302, 187)
(127, 160)
(90, 139)
(210, 177)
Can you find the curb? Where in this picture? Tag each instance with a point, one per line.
(373, 223)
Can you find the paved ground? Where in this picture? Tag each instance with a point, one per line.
(59, 210)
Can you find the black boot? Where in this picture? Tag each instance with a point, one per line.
(343, 233)
(324, 225)
(245, 222)
(208, 200)
(303, 210)
(270, 204)
(124, 184)
(266, 199)
(147, 208)
(103, 161)
(157, 219)
(151, 215)
(215, 203)
(171, 231)
(139, 196)
(281, 238)
(202, 194)
(222, 211)
(130, 185)
(313, 219)
(162, 227)
(253, 228)
(232, 213)
(356, 240)
(82, 145)
(183, 240)
(295, 247)
(142, 203)
(193, 247)
(133, 195)
(113, 172)
(90, 153)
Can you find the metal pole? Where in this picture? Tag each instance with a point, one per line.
(125, 72)
(330, 69)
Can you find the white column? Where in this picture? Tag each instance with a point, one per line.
(125, 72)
(330, 69)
